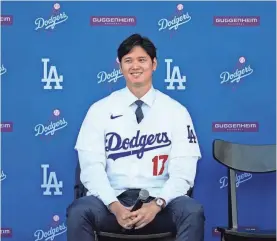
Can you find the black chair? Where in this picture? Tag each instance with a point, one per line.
(80, 191)
(246, 158)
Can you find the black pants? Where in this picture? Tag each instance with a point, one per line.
(183, 216)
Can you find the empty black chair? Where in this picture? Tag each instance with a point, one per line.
(246, 158)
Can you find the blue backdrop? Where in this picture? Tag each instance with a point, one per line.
(225, 50)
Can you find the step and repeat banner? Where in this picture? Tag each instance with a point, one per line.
(57, 58)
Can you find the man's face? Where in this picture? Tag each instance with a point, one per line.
(137, 67)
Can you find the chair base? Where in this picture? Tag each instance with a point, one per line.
(228, 234)
(104, 236)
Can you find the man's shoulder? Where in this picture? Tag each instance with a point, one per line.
(168, 102)
(105, 104)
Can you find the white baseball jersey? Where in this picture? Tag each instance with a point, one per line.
(116, 153)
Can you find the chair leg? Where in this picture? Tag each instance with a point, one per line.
(95, 236)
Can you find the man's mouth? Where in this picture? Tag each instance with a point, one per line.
(136, 74)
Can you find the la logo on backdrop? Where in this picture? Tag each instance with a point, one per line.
(173, 77)
(56, 17)
(50, 76)
(57, 228)
(50, 182)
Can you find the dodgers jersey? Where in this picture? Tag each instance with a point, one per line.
(116, 153)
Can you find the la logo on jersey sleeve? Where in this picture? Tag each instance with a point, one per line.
(191, 136)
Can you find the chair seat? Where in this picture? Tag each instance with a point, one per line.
(135, 236)
(242, 234)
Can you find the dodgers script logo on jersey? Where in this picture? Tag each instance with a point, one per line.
(141, 143)
(144, 143)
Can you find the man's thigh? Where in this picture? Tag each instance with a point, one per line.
(92, 210)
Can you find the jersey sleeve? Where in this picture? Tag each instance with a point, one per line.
(184, 142)
(183, 158)
(91, 151)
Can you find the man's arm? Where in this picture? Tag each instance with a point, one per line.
(183, 158)
(91, 151)
(94, 177)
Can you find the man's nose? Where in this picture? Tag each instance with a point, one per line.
(135, 65)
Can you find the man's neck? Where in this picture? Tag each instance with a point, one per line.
(139, 91)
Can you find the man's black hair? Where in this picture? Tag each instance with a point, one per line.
(136, 40)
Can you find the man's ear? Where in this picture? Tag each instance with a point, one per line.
(155, 64)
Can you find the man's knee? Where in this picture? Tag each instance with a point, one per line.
(86, 208)
(185, 207)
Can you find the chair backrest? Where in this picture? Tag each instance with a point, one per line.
(240, 157)
(79, 189)
(246, 158)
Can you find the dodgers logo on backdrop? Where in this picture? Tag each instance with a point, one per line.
(51, 76)
(173, 77)
(113, 76)
(2, 175)
(3, 70)
(56, 18)
(57, 228)
(241, 71)
(50, 129)
(141, 144)
(240, 178)
(179, 19)
(50, 182)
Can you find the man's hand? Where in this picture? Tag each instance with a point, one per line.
(144, 215)
(122, 214)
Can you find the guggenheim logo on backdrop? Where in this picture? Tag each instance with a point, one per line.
(6, 19)
(6, 232)
(236, 21)
(113, 21)
(235, 126)
(6, 126)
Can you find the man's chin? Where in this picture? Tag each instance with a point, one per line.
(138, 84)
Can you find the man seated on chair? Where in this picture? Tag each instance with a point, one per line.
(137, 138)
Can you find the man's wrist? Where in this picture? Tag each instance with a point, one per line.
(114, 206)
(156, 207)
(159, 203)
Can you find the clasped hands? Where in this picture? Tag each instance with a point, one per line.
(136, 219)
